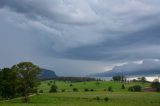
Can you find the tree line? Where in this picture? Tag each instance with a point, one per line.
(74, 79)
(20, 80)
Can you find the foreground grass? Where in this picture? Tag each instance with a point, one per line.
(89, 98)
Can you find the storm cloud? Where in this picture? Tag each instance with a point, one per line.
(94, 35)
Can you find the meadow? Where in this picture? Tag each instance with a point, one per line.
(118, 97)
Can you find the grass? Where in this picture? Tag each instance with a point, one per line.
(119, 97)
(90, 85)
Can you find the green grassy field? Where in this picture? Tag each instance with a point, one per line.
(118, 97)
(91, 85)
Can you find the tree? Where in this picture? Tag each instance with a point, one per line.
(119, 78)
(53, 89)
(110, 89)
(75, 90)
(135, 88)
(155, 84)
(27, 78)
(1, 83)
(142, 79)
(123, 87)
(8, 83)
(97, 83)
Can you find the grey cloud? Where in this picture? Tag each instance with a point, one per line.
(86, 30)
(57, 10)
(148, 67)
(58, 19)
(140, 45)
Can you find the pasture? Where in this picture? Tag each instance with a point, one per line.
(118, 97)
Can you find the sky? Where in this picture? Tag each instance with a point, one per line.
(79, 37)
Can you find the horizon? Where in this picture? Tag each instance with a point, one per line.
(81, 37)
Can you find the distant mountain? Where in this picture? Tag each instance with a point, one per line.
(135, 73)
(47, 74)
(146, 68)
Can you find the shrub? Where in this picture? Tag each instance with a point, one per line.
(63, 90)
(75, 90)
(53, 89)
(92, 90)
(110, 89)
(70, 85)
(123, 87)
(49, 84)
(158, 89)
(106, 98)
(135, 88)
(97, 98)
(130, 89)
(86, 90)
(41, 91)
(156, 84)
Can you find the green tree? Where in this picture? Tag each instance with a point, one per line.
(135, 88)
(110, 89)
(119, 78)
(53, 89)
(142, 79)
(1, 83)
(8, 83)
(27, 78)
(155, 84)
(123, 87)
(97, 83)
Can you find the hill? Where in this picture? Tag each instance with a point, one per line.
(134, 73)
(47, 74)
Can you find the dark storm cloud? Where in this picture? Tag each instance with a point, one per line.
(138, 45)
(81, 30)
(57, 10)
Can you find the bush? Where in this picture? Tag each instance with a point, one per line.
(63, 90)
(135, 88)
(97, 98)
(70, 85)
(75, 90)
(110, 89)
(123, 87)
(41, 91)
(156, 84)
(86, 90)
(49, 84)
(53, 89)
(158, 89)
(106, 98)
(92, 90)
